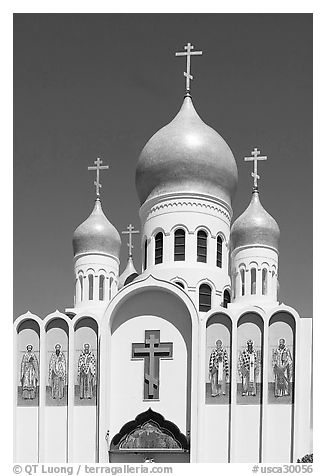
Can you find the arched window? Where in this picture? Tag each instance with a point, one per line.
(145, 254)
(202, 246)
(242, 277)
(219, 252)
(205, 297)
(226, 298)
(159, 248)
(101, 290)
(264, 281)
(81, 287)
(253, 280)
(90, 286)
(179, 245)
(179, 283)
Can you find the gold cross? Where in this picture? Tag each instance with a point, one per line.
(130, 231)
(98, 166)
(188, 53)
(255, 158)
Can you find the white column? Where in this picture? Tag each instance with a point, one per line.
(42, 393)
(71, 393)
(247, 282)
(201, 391)
(85, 288)
(211, 250)
(150, 252)
(259, 277)
(264, 384)
(96, 282)
(191, 247)
(233, 382)
(238, 284)
(168, 248)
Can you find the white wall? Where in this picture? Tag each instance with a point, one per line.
(26, 435)
(127, 376)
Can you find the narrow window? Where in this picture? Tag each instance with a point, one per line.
(101, 288)
(242, 276)
(81, 287)
(264, 281)
(90, 286)
(219, 252)
(180, 284)
(253, 280)
(226, 298)
(179, 245)
(159, 248)
(202, 246)
(205, 297)
(145, 254)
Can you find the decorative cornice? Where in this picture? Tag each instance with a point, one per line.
(192, 203)
(249, 247)
(186, 199)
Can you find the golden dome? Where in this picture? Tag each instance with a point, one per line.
(186, 156)
(96, 235)
(255, 227)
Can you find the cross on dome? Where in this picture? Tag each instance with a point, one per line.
(98, 166)
(255, 157)
(130, 231)
(188, 53)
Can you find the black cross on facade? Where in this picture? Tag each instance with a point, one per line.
(152, 351)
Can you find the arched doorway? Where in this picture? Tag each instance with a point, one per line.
(149, 438)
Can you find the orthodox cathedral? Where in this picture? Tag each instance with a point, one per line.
(191, 359)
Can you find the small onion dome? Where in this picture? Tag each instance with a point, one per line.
(186, 156)
(96, 235)
(128, 275)
(255, 227)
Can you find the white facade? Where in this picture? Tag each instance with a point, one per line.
(180, 297)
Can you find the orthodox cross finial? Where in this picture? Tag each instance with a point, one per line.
(98, 166)
(188, 53)
(130, 231)
(255, 157)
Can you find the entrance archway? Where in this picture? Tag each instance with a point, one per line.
(149, 438)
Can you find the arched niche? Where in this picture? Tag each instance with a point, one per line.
(281, 358)
(163, 313)
(250, 359)
(28, 363)
(218, 359)
(57, 346)
(85, 361)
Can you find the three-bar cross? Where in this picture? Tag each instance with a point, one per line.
(188, 53)
(255, 157)
(152, 351)
(98, 166)
(130, 231)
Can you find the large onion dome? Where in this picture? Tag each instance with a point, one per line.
(255, 227)
(186, 156)
(96, 235)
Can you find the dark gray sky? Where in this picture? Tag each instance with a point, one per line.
(89, 85)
